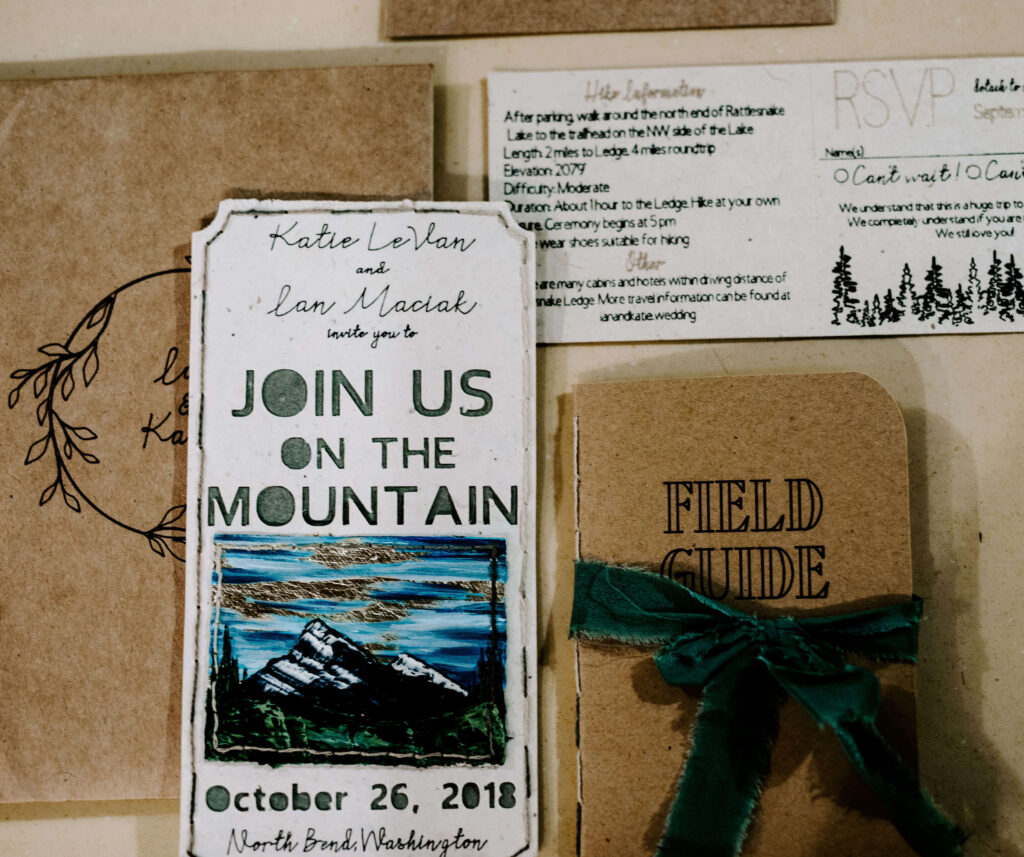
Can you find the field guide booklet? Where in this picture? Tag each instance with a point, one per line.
(359, 631)
(823, 199)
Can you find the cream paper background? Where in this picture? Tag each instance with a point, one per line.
(961, 395)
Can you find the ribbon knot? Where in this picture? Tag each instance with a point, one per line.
(775, 634)
(746, 666)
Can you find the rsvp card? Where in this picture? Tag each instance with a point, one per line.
(829, 199)
(359, 628)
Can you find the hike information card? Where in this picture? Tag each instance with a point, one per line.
(825, 199)
(359, 626)
(745, 497)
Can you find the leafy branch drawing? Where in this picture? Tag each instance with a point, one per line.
(54, 381)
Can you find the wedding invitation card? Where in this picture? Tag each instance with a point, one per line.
(360, 652)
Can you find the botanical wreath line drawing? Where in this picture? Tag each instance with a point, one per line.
(79, 356)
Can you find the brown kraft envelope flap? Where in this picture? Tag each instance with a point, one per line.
(104, 181)
(781, 495)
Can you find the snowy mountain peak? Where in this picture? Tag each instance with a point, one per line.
(408, 665)
(327, 670)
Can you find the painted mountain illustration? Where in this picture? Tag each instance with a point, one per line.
(330, 699)
(327, 672)
(386, 650)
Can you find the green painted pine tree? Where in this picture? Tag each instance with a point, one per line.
(228, 680)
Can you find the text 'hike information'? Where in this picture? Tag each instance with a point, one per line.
(828, 199)
(359, 633)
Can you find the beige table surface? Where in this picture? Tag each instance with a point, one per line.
(961, 395)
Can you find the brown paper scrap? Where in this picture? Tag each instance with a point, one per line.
(413, 18)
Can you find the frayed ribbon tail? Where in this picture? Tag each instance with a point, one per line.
(719, 787)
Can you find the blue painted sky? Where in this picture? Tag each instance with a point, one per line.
(442, 624)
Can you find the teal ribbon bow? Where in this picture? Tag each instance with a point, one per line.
(746, 666)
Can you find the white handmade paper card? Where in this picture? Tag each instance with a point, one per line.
(828, 199)
(359, 631)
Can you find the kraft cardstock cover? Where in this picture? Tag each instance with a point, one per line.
(778, 495)
(104, 181)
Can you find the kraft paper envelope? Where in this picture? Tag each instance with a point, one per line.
(413, 18)
(103, 182)
(666, 467)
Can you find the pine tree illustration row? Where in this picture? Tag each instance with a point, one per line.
(1002, 294)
